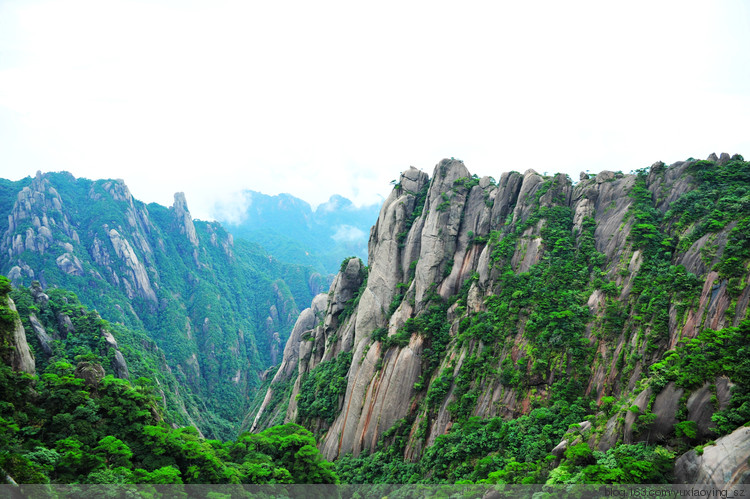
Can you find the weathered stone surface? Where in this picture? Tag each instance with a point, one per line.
(137, 271)
(40, 297)
(439, 234)
(609, 437)
(306, 321)
(70, 264)
(605, 176)
(345, 285)
(724, 464)
(701, 407)
(119, 366)
(65, 324)
(90, 372)
(19, 356)
(44, 339)
(666, 404)
(410, 258)
(183, 219)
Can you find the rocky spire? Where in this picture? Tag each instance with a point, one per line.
(183, 219)
(19, 357)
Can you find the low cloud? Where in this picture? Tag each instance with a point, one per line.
(232, 208)
(348, 233)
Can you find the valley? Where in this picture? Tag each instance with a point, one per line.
(529, 329)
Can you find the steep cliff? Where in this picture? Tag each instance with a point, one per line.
(492, 299)
(220, 310)
(14, 349)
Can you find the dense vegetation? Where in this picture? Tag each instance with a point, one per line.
(73, 422)
(536, 342)
(220, 312)
(543, 313)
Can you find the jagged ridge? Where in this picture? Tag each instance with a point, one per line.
(465, 246)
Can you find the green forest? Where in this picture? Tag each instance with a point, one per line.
(75, 422)
(107, 404)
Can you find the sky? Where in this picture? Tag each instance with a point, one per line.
(320, 98)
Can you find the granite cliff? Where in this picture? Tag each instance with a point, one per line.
(489, 299)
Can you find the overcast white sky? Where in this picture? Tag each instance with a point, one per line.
(315, 97)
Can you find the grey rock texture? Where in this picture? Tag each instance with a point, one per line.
(90, 372)
(44, 339)
(435, 242)
(306, 322)
(137, 280)
(183, 219)
(724, 464)
(19, 357)
(118, 363)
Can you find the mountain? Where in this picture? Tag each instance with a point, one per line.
(292, 231)
(71, 416)
(217, 308)
(535, 330)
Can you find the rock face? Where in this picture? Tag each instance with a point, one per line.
(90, 372)
(724, 464)
(182, 218)
(457, 240)
(219, 310)
(19, 357)
(137, 272)
(118, 363)
(44, 339)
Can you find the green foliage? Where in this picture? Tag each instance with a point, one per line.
(321, 389)
(58, 428)
(207, 314)
(687, 429)
(471, 450)
(711, 354)
(622, 464)
(548, 301)
(722, 196)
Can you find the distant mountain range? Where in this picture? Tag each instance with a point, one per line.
(288, 228)
(220, 309)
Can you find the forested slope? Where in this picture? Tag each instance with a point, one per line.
(219, 310)
(535, 330)
(70, 417)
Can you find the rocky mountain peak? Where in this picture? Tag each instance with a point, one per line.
(36, 215)
(182, 218)
(452, 259)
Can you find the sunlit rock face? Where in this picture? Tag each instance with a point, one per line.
(454, 239)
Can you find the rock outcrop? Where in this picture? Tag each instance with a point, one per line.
(723, 464)
(183, 220)
(220, 312)
(18, 355)
(455, 239)
(45, 341)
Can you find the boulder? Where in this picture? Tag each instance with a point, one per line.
(723, 464)
(90, 372)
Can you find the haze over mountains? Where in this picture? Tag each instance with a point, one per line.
(288, 228)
